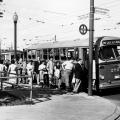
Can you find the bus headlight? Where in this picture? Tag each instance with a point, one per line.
(117, 76)
(102, 77)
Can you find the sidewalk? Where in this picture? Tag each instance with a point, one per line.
(63, 107)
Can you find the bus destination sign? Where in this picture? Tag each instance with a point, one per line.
(111, 42)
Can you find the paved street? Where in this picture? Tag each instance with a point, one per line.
(113, 96)
(63, 107)
(48, 47)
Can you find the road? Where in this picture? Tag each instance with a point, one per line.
(113, 95)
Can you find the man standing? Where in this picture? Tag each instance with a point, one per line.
(36, 66)
(50, 68)
(79, 75)
(67, 67)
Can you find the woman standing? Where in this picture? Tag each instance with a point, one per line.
(12, 70)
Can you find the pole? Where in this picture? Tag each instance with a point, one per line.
(91, 36)
(15, 40)
(31, 88)
(0, 50)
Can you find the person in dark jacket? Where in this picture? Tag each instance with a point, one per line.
(78, 74)
(36, 71)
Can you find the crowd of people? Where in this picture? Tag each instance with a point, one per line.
(71, 75)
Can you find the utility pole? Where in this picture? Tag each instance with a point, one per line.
(1, 15)
(91, 37)
(0, 50)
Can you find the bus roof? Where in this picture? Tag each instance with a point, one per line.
(61, 44)
(70, 43)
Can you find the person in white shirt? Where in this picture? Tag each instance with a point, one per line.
(12, 70)
(67, 67)
(42, 71)
(30, 70)
(3, 68)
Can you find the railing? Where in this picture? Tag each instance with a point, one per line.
(4, 79)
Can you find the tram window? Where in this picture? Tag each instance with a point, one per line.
(45, 54)
(63, 54)
(56, 53)
(70, 53)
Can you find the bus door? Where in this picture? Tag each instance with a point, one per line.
(83, 54)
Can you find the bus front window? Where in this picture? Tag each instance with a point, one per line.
(107, 52)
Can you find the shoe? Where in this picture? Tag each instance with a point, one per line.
(75, 92)
(68, 89)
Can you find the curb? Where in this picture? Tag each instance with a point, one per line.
(115, 115)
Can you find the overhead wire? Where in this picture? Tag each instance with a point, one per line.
(106, 2)
(57, 13)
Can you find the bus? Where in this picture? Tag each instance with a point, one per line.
(9, 54)
(106, 57)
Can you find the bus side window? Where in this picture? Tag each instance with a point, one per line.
(33, 54)
(70, 53)
(56, 53)
(63, 53)
(45, 54)
(50, 52)
(38, 53)
(76, 55)
(41, 54)
(29, 54)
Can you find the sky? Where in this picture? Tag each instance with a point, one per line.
(40, 20)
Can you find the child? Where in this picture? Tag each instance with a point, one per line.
(57, 74)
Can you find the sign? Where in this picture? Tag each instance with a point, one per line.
(83, 29)
(111, 42)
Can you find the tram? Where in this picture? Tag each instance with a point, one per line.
(106, 57)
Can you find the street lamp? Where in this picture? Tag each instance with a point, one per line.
(15, 19)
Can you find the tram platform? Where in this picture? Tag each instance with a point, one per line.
(66, 106)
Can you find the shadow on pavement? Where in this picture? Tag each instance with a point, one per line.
(108, 92)
(21, 96)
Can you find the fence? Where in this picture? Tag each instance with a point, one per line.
(4, 79)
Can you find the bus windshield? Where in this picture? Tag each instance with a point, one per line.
(109, 52)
